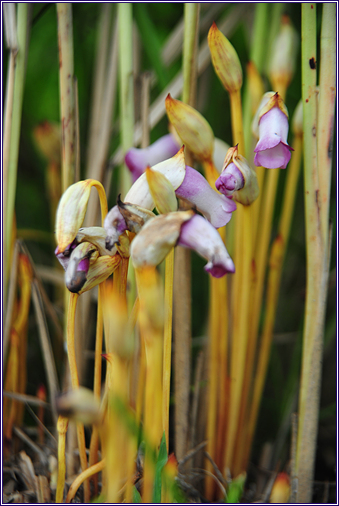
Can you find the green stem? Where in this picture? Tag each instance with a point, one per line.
(317, 269)
(258, 47)
(126, 86)
(326, 107)
(19, 78)
(67, 102)
(191, 17)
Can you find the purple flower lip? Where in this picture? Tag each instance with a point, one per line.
(114, 225)
(138, 159)
(230, 180)
(198, 234)
(215, 207)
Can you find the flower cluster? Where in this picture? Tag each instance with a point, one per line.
(161, 176)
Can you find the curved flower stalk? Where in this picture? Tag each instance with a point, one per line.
(271, 124)
(82, 251)
(238, 179)
(159, 235)
(72, 209)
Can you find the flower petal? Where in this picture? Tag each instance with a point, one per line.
(198, 234)
(157, 237)
(138, 159)
(275, 158)
(173, 169)
(215, 207)
(230, 180)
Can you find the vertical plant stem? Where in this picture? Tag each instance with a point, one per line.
(62, 427)
(182, 262)
(240, 308)
(94, 445)
(317, 268)
(66, 82)
(257, 51)
(12, 145)
(126, 86)
(75, 384)
(169, 272)
(151, 330)
(326, 105)
(276, 260)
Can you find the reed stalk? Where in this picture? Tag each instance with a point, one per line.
(317, 242)
(241, 285)
(276, 260)
(151, 331)
(169, 273)
(62, 427)
(14, 98)
(67, 101)
(126, 82)
(182, 262)
(73, 298)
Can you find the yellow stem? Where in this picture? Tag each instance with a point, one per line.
(151, 332)
(75, 383)
(236, 119)
(169, 272)
(94, 444)
(90, 471)
(62, 426)
(239, 338)
(274, 276)
(102, 197)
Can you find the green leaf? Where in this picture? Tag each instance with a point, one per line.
(136, 496)
(235, 489)
(161, 461)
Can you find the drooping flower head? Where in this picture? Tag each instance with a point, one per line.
(187, 229)
(272, 150)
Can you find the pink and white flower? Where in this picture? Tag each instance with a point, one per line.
(272, 150)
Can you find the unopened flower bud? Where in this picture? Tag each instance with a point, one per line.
(238, 178)
(192, 128)
(283, 55)
(225, 60)
(281, 489)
